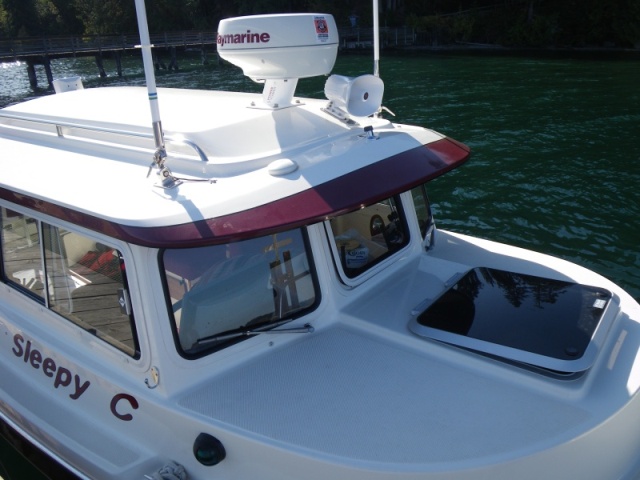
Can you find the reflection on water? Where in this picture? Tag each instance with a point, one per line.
(556, 160)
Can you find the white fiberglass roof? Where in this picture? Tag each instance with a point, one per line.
(105, 175)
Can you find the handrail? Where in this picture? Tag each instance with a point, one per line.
(95, 128)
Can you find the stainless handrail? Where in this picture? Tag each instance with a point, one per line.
(60, 124)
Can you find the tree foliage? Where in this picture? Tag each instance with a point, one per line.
(504, 22)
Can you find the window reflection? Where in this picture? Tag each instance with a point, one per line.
(72, 274)
(87, 286)
(423, 212)
(22, 260)
(241, 285)
(535, 314)
(366, 236)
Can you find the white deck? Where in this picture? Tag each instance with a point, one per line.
(434, 410)
(366, 394)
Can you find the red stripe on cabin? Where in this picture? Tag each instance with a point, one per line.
(364, 186)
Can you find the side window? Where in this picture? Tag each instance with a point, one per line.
(366, 236)
(75, 276)
(423, 212)
(21, 253)
(219, 292)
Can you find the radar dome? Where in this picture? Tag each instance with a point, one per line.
(280, 46)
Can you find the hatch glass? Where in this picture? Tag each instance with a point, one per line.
(553, 324)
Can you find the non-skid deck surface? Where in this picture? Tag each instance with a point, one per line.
(343, 393)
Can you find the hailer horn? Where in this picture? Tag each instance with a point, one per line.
(359, 96)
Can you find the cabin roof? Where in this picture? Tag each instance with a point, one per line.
(61, 156)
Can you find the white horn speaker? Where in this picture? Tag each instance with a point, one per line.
(360, 96)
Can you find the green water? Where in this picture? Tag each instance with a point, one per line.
(556, 152)
(555, 141)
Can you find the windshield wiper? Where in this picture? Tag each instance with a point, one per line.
(246, 332)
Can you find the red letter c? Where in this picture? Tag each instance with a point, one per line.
(123, 396)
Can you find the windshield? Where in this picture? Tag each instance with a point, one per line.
(238, 286)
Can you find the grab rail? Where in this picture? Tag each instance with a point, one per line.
(59, 125)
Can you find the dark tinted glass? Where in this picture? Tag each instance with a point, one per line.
(540, 315)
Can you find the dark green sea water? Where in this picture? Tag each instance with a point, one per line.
(555, 141)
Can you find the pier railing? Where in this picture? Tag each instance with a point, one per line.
(65, 46)
(61, 46)
(41, 50)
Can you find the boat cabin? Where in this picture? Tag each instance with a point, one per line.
(84, 279)
(256, 289)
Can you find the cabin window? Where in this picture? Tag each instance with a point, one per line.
(367, 236)
(75, 276)
(87, 286)
(219, 293)
(21, 253)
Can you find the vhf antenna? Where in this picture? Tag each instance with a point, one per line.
(160, 155)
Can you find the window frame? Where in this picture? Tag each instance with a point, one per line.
(381, 262)
(490, 301)
(429, 234)
(4, 277)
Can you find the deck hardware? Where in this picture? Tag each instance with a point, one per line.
(155, 378)
(571, 351)
(421, 307)
(124, 301)
(181, 140)
(370, 135)
(269, 329)
(383, 108)
(339, 114)
(454, 279)
(60, 125)
(208, 450)
(281, 167)
(160, 155)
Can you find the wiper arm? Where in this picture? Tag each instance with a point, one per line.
(269, 328)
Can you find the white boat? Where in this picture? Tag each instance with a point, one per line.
(274, 301)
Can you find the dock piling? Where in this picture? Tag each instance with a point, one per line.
(100, 65)
(118, 57)
(31, 71)
(47, 68)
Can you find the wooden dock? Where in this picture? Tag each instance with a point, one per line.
(41, 50)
